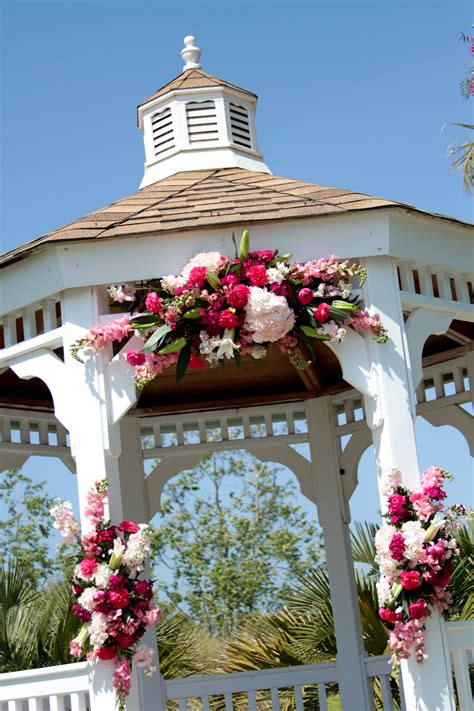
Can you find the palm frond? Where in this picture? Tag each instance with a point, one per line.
(363, 542)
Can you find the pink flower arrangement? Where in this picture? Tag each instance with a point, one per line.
(220, 308)
(415, 552)
(114, 605)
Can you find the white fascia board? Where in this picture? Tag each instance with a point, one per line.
(110, 261)
(187, 94)
(422, 238)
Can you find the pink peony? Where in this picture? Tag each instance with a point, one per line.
(134, 357)
(321, 314)
(239, 296)
(257, 274)
(410, 579)
(417, 610)
(305, 296)
(154, 303)
(118, 598)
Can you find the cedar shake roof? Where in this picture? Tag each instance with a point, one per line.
(206, 198)
(193, 79)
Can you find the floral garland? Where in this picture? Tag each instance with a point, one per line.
(113, 604)
(415, 553)
(220, 308)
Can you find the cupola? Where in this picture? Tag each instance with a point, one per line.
(198, 122)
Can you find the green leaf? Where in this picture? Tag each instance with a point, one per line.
(174, 346)
(156, 339)
(146, 321)
(312, 333)
(183, 361)
(192, 313)
(235, 244)
(343, 305)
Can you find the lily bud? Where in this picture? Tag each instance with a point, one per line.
(172, 347)
(213, 280)
(244, 246)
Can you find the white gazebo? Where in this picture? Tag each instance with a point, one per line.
(205, 177)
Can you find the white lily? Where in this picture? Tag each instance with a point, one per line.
(227, 345)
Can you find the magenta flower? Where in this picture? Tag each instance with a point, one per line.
(410, 579)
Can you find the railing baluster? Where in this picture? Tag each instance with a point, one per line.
(386, 692)
(323, 702)
(15, 706)
(424, 277)
(275, 700)
(461, 288)
(444, 286)
(34, 705)
(49, 315)
(205, 703)
(78, 702)
(406, 276)
(29, 323)
(9, 331)
(56, 703)
(463, 682)
(299, 699)
(402, 693)
(229, 705)
(252, 700)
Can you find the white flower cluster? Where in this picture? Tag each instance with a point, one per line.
(64, 520)
(138, 548)
(391, 479)
(414, 537)
(268, 315)
(214, 348)
(383, 538)
(98, 629)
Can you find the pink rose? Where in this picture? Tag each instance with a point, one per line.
(128, 526)
(197, 276)
(305, 296)
(228, 319)
(410, 579)
(106, 653)
(258, 275)
(125, 641)
(154, 303)
(134, 357)
(321, 314)
(87, 567)
(239, 296)
(417, 610)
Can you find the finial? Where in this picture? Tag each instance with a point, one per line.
(190, 53)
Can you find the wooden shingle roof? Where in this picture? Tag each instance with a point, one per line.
(193, 79)
(206, 198)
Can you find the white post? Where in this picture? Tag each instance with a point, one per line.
(354, 685)
(96, 446)
(427, 686)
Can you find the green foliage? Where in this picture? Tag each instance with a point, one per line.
(232, 535)
(25, 525)
(184, 648)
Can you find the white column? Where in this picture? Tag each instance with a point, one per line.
(354, 686)
(96, 446)
(427, 686)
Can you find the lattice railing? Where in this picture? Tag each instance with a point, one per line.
(33, 320)
(33, 433)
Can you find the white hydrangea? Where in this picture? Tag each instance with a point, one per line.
(138, 548)
(277, 274)
(383, 538)
(86, 599)
(268, 315)
(384, 590)
(102, 575)
(171, 283)
(213, 261)
(414, 535)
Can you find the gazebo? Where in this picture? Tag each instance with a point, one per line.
(205, 177)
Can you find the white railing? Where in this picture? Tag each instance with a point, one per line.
(61, 688)
(249, 691)
(461, 646)
(34, 320)
(379, 670)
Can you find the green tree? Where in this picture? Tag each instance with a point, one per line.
(25, 524)
(461, 151)
(232, 535)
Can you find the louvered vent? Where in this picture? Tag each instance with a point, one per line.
(239, 123)
(202, 121)
(163, 134)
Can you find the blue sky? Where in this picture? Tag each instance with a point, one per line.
(351, 94)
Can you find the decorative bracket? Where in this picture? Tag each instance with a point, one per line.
(421, 324)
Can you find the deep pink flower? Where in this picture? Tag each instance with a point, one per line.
(81, 612)
(305, 296)
(257, 275)
(125, 641)
(436, 550)
(197, 276)
(266, 255)
(417, 610)
(118, 598)
(154, 303)
(87, 566)
(388, 615)
(129, 526)
(106, 653)
(397, 546)
(228, 319)
(134, 357)
(196, 362)
(230, 279)
(107, 535)
(321, 314)
(239, 296)
(144, 588)
(396, 503)
(410, 579)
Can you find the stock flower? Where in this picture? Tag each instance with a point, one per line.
(129, 526)
(122, 292)
(397, 547)
(154, 303)
(64, 520)
(396, 507)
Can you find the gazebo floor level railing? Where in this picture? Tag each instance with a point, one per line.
(65, 688)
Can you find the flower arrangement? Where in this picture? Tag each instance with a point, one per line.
(113, 604)
(220, 308)
(415, 553)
